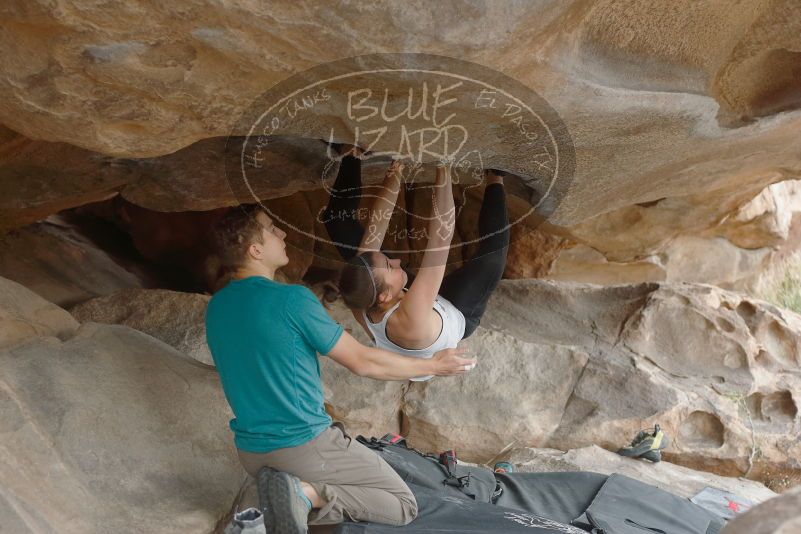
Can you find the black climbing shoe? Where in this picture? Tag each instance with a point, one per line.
(646, 444)
(281, 499)
(654, 456)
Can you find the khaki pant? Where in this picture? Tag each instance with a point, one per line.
(354, 481)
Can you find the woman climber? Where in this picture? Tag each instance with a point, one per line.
(437, 311)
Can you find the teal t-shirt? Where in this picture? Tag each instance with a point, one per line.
(263, 337)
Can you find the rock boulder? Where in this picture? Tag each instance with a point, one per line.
(173, 317)
(570, 365)
(109, 429)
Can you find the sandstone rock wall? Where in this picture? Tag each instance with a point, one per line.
(104, 428)
(680, 113)
(163, 83)
(726, 236)
(61, 263)
(777, 516)
(62, 379)
(173, 317)
(693, 358)
(569, 365)
(684, 116)
(25, 315)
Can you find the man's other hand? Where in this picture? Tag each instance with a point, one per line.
(450, 362)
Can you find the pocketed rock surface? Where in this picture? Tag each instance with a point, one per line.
(718, 371)
(590, 365)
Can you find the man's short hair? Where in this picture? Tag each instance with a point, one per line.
(233, 234)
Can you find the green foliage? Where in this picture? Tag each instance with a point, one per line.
(788, 294)
(785, 289)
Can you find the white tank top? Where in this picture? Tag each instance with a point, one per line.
(452, 332)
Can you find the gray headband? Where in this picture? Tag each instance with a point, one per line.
(372, 279)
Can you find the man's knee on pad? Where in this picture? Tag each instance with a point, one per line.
(408, 508)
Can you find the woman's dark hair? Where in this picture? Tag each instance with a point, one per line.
(356, 284)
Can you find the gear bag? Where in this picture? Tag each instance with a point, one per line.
(436, 472)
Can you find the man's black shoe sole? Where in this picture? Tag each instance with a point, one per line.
(279, 503)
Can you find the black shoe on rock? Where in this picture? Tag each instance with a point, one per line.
(285, 508)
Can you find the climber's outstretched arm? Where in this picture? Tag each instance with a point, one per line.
(382, 209)
(424, 289)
